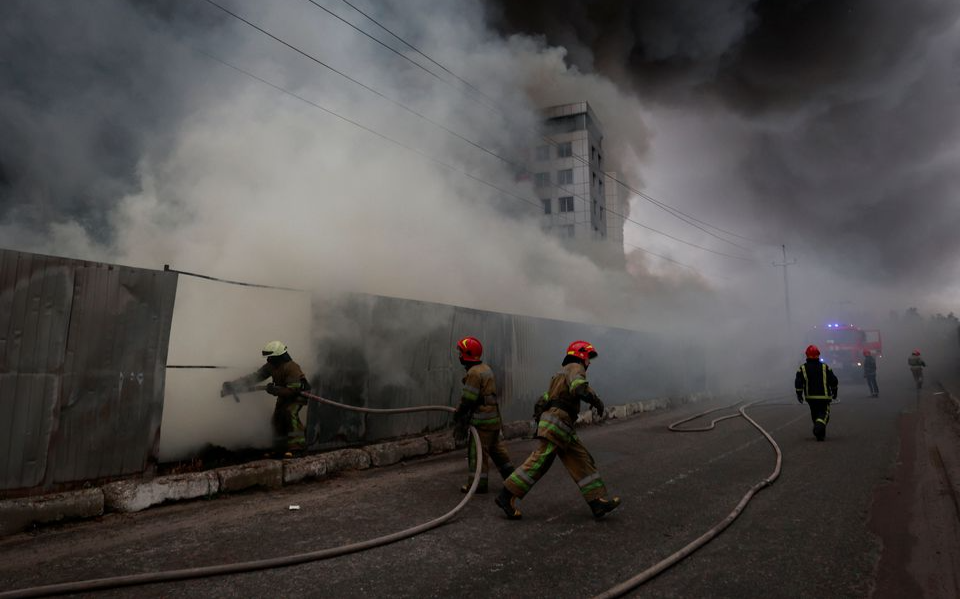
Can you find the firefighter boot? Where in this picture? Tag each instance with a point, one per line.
(481, 486)
(507, 502)
(820, 431)
(601, 507)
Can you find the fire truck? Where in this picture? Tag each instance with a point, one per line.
(842, 346)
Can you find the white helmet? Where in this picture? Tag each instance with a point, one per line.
(274, 349)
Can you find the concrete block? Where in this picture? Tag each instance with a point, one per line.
(347, 459)
(300, 469)
(265, 473)
(135, 495)
(18, 514)
(384, 454)
(617, 412)
(441, 442)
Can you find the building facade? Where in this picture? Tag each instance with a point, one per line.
(568, 174)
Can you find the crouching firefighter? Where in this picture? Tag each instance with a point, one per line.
(556, 413)
(816, 382)
(287, 381)
(478, 407)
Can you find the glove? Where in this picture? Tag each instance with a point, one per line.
(273, 389)
(800, 397)
(598, 405)
(227, 389)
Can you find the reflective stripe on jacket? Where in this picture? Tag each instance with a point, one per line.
(816, 380)
(480, 396)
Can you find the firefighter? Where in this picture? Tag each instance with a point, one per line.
(556, 413)
(478, 407)
(916, 364)
(287, 381)
(870, 372)
(816, 381)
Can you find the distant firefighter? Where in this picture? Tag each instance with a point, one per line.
(816, 383)
(870, 372)
(556, 413)
(287, 381)
(917, 365)
(479, 407)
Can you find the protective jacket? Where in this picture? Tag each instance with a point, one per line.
(915, 362)
(815, 380)
(869, 366)
(560, 405)
(288, 429)
(479, 397)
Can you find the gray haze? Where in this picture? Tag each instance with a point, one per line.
(825, 126)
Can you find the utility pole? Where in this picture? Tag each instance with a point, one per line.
(786, 289)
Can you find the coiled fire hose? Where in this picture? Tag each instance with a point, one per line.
(632, 583)
(99, 584)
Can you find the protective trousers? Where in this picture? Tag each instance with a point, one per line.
(288, 430)
(575, 457)
(492, 449)
(872, 383)
(819, 413)
(917, 376)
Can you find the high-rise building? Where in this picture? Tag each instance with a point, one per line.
(568, 173)
(575, 191)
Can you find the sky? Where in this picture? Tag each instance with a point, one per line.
(177, 134)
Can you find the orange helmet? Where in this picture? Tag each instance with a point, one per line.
(582, 349)
(916, 352)
(813, 351)
(470, 349)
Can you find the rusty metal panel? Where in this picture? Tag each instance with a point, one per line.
(69, 330)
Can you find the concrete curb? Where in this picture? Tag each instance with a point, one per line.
(17, 515)
(135, 495)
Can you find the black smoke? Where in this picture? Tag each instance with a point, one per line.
(850, 109)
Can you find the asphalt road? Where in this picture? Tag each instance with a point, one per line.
(813, 533)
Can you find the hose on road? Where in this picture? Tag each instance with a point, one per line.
(632, 583)
(100, 584)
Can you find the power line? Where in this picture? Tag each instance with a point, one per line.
(663, 206)
(450, 131)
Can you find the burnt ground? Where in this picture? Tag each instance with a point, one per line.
(917, 514)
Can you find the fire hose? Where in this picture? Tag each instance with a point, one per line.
(99, 584)
(632, 583)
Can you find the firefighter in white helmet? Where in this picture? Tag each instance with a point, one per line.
(287, 381)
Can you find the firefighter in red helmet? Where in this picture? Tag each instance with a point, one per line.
(479, 407)
(816, 383)
(556, 413)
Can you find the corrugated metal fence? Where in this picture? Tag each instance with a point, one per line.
(83, 350)
(387, 352)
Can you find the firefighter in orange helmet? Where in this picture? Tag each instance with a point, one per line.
(556, 413)
(816, 382)
(479, 407)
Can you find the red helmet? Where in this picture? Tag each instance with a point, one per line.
(813, 351)
(470, 349)
(582, 349)
(866, 353)
(916, 352)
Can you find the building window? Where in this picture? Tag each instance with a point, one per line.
(565, 150)
(566, 231)
(594, 206)
(543, 152)
(565, 204)
(593, 153)
(546, 205)
(565, 177)
(541, 179)
(594, 177)
(599, 160)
